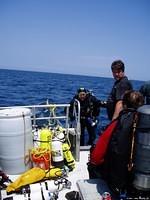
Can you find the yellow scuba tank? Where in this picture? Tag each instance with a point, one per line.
(45, 138)
(70, 162)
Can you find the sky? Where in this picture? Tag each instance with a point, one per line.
(76, 36)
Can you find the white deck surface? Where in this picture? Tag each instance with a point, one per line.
(80, 172)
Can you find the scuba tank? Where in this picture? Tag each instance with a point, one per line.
(69, 159)
(57, 153)
(34, 175)
(46, 185)
(46, 190)
(142, 151)
(45, 138)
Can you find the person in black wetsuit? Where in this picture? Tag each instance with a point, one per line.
(145, 90)
(89, 111)
(114, 169)
(122, 84)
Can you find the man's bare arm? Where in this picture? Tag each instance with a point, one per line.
(118, 108)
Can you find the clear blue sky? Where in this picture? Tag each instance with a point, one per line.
(76, 36)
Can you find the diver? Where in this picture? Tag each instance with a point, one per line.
(113, 157)
(89, 112)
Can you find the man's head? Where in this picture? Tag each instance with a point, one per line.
(82, 94)
(118, 68)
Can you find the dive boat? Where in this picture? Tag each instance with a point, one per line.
(41, 156)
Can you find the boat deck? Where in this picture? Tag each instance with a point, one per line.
(75, 178)
(80, 172)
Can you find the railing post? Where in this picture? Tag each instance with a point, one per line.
(78, 132)
(34, 117)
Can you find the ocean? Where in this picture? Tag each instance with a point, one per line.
(28, 88)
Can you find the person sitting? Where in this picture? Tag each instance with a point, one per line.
(89, 111)
(114, 165)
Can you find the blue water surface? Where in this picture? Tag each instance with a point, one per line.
(28, 88)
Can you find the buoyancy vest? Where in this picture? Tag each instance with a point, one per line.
(115, 133)
(98, 152)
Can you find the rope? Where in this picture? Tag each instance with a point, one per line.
(41, 155)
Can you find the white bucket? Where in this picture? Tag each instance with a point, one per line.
(15, 140)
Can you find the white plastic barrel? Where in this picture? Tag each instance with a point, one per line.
(15, 140)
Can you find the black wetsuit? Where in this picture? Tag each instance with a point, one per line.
(89, 110)
(114, 169)
(119, 88)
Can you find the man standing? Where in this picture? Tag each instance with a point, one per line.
(122, 84)
(89, 111)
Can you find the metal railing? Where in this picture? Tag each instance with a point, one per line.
(54, 113)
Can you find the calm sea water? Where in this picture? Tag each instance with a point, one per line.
(28, 88)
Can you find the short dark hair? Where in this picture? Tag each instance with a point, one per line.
(118, 65)
(133, 99)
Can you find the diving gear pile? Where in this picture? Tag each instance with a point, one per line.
(51, 161)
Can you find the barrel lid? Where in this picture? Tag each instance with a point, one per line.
(16, 111)
(145, 109)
